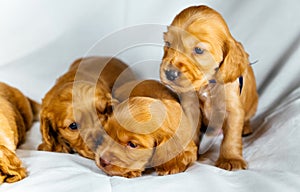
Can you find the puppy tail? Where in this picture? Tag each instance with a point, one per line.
(36, 108)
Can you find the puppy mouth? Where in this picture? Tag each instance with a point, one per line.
(175, 79)
(114, 170)
(106, 166)
(179, 81)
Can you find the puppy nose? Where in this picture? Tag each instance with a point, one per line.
(98, 140)
(104, 162)
(172, 74)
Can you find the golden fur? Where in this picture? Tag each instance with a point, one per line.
(199, 48)
(147, 129)
(17, 114)
(80, 98)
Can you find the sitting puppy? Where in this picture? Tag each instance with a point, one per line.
(17, 114)
(80, 98)
(147, 129)
(201, 55)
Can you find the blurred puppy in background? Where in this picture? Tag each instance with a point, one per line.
(80, 98)
(17, 113)
(147, 129)
(201, 55)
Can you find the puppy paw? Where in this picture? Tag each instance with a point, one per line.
(168, 172)
(132, 174)
(11, 169)
(247, 130)
(231, 164)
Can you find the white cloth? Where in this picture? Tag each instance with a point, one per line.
(40, 39)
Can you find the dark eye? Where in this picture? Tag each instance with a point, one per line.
(167, 44)
(198, 50)
(74, 126)
(131, 145)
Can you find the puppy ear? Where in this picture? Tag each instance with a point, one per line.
(48, 134)
(235, 62)
(175, 149)
(51, 141)
(179, 163)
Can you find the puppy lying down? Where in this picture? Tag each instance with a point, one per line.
(17, 113)
(80, 98)
(148, 129)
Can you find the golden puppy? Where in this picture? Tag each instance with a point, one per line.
(17, 114)
(201, 55)
(147, 129)
(80, 98)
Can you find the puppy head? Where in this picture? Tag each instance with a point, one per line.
(140, 134)
(199, 48)
(65, 115)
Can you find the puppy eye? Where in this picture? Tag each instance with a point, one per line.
(74, 126)
(131, 145)
(167, 44)
(198, 50)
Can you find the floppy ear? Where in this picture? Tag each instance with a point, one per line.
(51, 140)
(177, 164)
(175, 149)
(235, 62)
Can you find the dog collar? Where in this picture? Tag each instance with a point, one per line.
(212, 81)
(241, 82)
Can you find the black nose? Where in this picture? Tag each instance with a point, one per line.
(104, 162)
(172, 74)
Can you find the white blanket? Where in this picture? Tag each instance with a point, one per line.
(40, 39)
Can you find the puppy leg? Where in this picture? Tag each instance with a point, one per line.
(247, 130)
(11, 169)
(180, 163)
(231, 157)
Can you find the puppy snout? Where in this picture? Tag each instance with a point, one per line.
(104, 162)
(172, 74)
(98, 140)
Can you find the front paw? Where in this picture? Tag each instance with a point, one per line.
(231, 164)
(164, 171)
(11, 169)
(132, 174)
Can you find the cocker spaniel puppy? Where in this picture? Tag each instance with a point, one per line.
(17, 113)
(80, 98)
(201, 55)
(148, 129)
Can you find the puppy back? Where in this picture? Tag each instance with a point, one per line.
(145, 88)
(110, 70)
